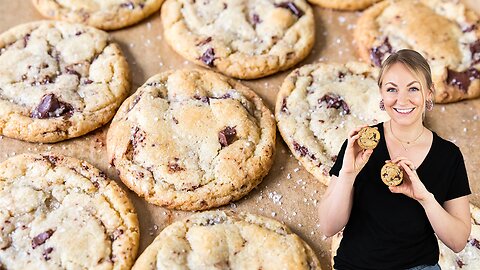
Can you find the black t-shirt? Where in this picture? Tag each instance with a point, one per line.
(391, 231)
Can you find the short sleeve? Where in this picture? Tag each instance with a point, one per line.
(459, 181)
(335, 170)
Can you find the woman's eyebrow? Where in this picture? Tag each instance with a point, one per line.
(412, 83)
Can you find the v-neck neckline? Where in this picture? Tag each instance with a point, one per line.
(384, 142)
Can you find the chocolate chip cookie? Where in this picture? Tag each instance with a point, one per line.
(318, 104)
(58, 212)
(242, 39)
(469, 257)
(344, 4)
(226, 240)
(58, 80)
(369, 137)
(103, 14)
(445, 32)
(391, 174)
(191, 140)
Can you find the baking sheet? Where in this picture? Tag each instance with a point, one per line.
(288, 193)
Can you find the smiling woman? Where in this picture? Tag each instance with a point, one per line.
(394, 227)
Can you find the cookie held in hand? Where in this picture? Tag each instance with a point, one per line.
(391, 174)
(369, 138)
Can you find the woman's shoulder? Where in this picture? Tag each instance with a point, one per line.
(447, 146)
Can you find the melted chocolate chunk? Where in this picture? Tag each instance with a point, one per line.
(256, 19)
(128, 5)
(341, 75)
(227, 136)
(475, 50)
(292, 7)
(377, 53)
(208, 57)
(303, 150)
(72, 71)
(175, 120)
(469, 28)
(203, 99)
(475, 243)
(88, 81)
(50, 106)
(336, 102)
(284, 106)
(174, 167)
(138, 137)
(117, 233)
(463, 79)
(205, 41)
(460, 263)
(46, 253)
(25, 40)
(41, 238)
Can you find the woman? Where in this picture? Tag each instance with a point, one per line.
(394, 228)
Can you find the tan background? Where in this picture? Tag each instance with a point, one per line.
(294, 199)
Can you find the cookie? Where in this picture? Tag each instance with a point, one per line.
(319, 104)
(58, 81)
(391, 174)
(468, 258)
(336, 239)
(58, 212)
(350, 5)
(369, 138)
(103, 14)
(240, 38)
(227, 240)
(445, 32)
(192, 140)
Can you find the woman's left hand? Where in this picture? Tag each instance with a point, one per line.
(411, 185)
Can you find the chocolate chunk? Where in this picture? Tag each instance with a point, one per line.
(256, 19)
(46, 253)
(203, 99)
(475, 49)
(25, 40)
(137, 137)
(462, 80)
(50, 106)
(87, 81)
(475, 243)
(336, 102)
(341, 75)
(205, 41)
(128, 5)
(41, 238)
(208, 57)
(225, 5)
(72, 71)
(117, 233)
(175, 120)
(377, 53)
(460, 263)
(469, 28)
(303, 150)
(174, 167)
(226, 136)
(334, 158)
(78, 33)
(284, 106)
(134, 102)
(292, 7)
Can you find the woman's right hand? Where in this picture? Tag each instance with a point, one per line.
(355, 157)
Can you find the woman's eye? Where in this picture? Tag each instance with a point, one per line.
(391, 89)
(414, 89)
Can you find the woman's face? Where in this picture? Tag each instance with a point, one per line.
(402, 95)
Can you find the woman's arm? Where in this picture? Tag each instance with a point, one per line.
(451, 222)
(336, 203)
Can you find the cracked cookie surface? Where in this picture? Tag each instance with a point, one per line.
(58, 81)
(369, 137)
(469, 257)
(244, 39)
(192, 139)
(445, 32)
(58, 212)
(227, 240)
(391, 174)
(103, 14)
(318, 105)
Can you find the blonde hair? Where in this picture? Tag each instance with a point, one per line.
(414, 62)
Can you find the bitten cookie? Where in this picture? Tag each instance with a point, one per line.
(344, 4)
(468, 258)
(192, 139)
(445, 32)
(242, 39)
(391, 174)
(318, 104)
(58, 81)
(369, 138)
(58, 212)
(226, 240)
(103, 14)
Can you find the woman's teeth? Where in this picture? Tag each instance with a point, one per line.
(404, 111)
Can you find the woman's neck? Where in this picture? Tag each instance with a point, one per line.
(406, 133)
